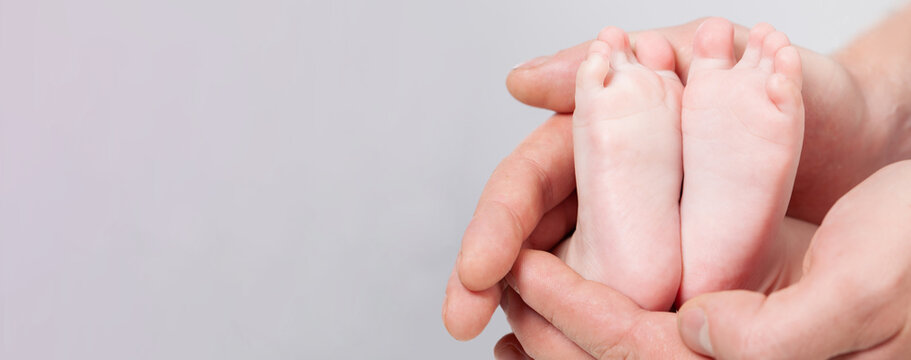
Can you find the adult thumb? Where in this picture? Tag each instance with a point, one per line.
(720, 324)
(853, 296)
(813, 319)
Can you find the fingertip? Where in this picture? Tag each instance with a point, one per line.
(548, 82)
(533, 63)
(715, 324)
(694, 330)
(458, 331)
(481, 271)
(488, 248)
(466, 313)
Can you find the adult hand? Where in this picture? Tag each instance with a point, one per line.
(849, 130)
(854, 299)
(529, 196)
(560, 315)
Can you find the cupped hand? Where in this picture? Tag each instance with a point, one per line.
(529, 200)
(844, 142)
(854, 299)
(560, 315)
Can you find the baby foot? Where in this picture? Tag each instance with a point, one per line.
(742, 133)
(627, 143)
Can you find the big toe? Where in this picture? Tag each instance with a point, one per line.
(713, 45)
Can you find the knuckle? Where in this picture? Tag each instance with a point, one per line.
(540, 174)
(519, 226)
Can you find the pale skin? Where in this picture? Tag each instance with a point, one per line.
(740, 151)
(855, 124)
(852, 301)
(626, 135)
(742, 127)
(740, 146)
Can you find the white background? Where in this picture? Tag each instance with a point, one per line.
(272, 179)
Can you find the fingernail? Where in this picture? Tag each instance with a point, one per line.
(696, 331)
(510, 353)
(532, 63)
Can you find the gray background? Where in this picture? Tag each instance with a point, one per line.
(273, 179)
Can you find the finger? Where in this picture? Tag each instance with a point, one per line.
(853, 297)
(814, 319)
(531, 181)
(554, 226)
(469, 311)
(466, 312)
(600, 320)
(539, 338)
(590, 314)
(509, 348)
(549, 82)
